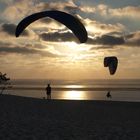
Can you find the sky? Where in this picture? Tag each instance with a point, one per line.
(49, 50)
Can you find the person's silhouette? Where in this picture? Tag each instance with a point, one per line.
(48, 91)
(108, 95)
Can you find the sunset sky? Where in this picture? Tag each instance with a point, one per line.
(50, 50)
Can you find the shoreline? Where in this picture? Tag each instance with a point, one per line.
(62, 100)
(76, 89)
(117, 95)
(44, 98)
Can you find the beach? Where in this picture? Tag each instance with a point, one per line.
(34, 119)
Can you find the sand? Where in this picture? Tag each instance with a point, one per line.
(25, 118)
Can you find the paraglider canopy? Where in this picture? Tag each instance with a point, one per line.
(112, 63)
(68, 20)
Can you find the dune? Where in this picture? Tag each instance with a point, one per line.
(39, 119)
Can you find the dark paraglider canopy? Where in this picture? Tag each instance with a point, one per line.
(68, 20)
(112, 63)
(108, 95)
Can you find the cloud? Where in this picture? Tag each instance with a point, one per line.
(16, 10)
(1, 21)
(101, 47)
(129, 11)
(106, 40)
(25, 51)
(97, 27)
(7, 48)
(98, 32)
(26, 7)
(107, 11)
(102, 9)
(68, 6)
(87, 9)
(11, 28)
(49, 24)
(21, 9)
(68, 37)
(115, 38)
(20, 50)
(133, 39)
(58, 36)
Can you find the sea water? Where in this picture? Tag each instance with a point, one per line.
(121, 90)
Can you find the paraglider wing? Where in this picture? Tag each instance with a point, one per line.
(112, 63)
(106, 61)
(68, 20)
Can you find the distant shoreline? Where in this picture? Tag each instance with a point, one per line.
(76, 89)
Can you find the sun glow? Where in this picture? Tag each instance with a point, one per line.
(74, 86)
(75, 46)
(74, 95)
(75, 51)
(72, 44)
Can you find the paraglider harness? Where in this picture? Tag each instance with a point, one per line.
(108, 95)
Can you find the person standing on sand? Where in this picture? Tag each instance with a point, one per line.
(48, 91)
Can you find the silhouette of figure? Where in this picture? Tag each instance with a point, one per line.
(3, 77)
(108, 95)
(3, 82)
(48, 91)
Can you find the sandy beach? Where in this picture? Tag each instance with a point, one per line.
(25, 118)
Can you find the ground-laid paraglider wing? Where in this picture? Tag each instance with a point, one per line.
(112, 63)
(68, 20)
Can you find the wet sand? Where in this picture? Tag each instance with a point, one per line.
(39, 119)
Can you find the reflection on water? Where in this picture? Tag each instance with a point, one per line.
(79, 95)
(74, 95)
(92, 90)
(74, 86)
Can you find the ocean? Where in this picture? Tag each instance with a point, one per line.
(121, 90)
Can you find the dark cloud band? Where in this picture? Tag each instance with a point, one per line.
(11, 28)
